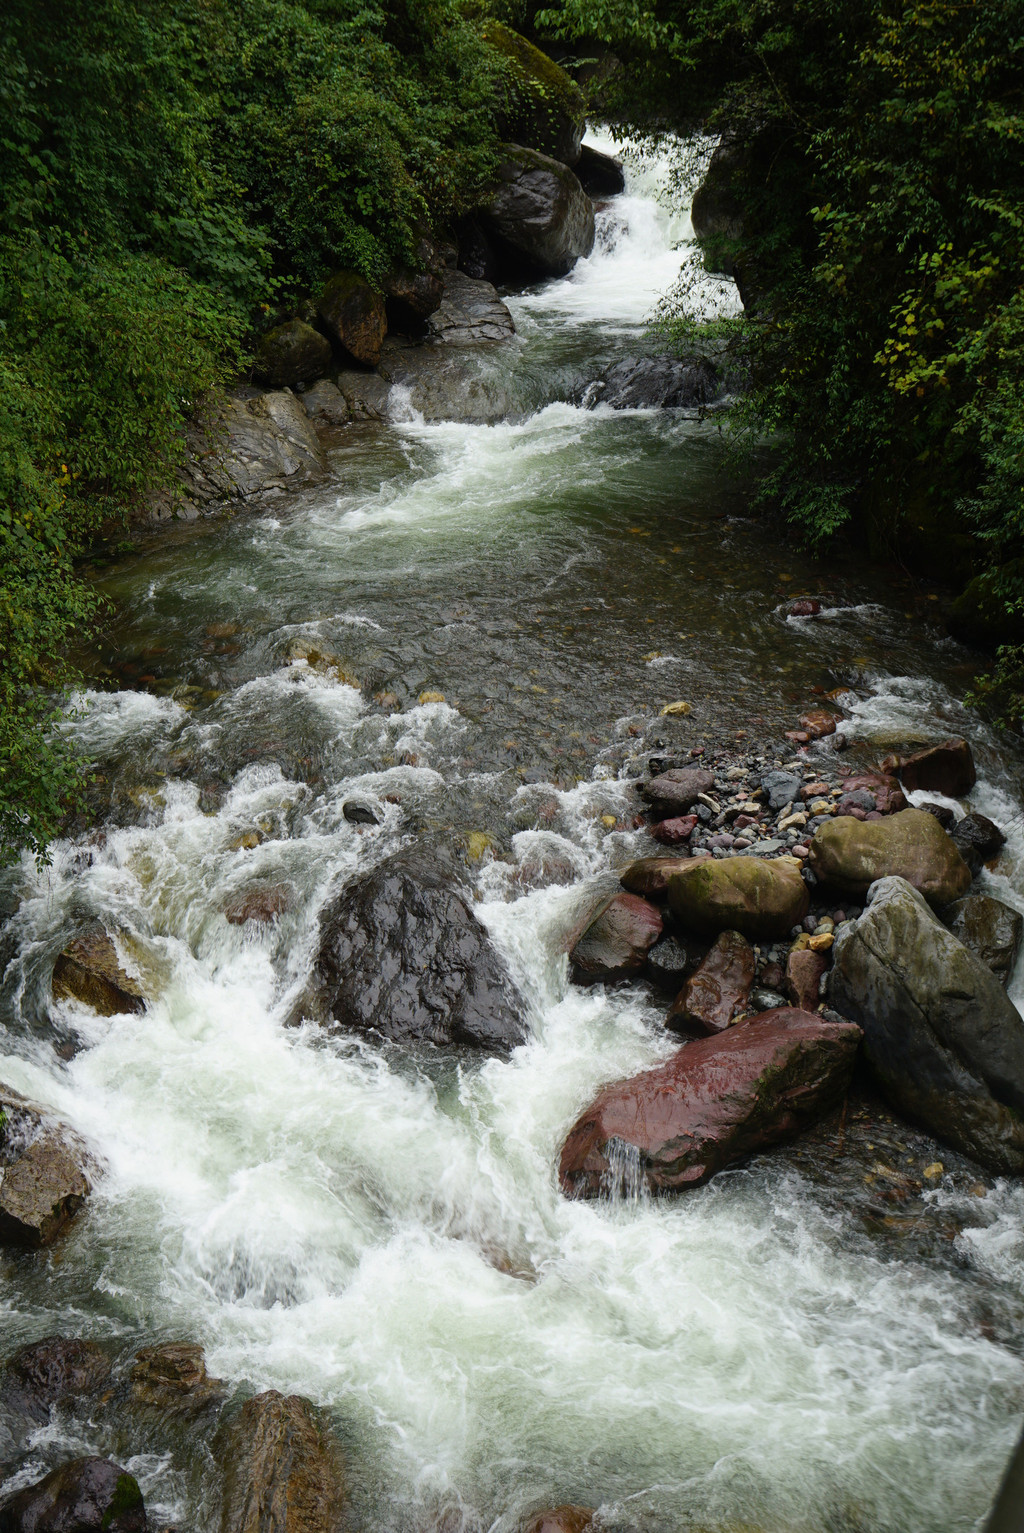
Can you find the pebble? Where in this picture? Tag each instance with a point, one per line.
(793, 821)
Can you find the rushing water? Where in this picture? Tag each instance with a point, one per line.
(380, 1229)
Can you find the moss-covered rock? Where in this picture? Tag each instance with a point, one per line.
(292, 353)
(743, 894)
(541, 107)
(848, 855)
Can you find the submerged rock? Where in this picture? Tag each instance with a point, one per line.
(354, 315)
(643, 383)
(262, 903)
(715, 1102)
(51, 1372)
(718, 991)
(89, 970)
(88, 1495)
(940, 1033)
(848, 855)
(42, 1180)
(540, 213)
(990, 929)
(173, 1377)
(751, 895)
(401, 954)
(616, 943)
(292, 353)
(561, 1519)
(279, 1474)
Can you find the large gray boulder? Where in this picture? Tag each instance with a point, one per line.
(440, 384)
(643, 383)
(939, 1031)
(540, 213)
(43, 1182)
(470, 313)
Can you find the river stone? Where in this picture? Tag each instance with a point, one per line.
(672, 793)
(715, 1102)
(943, 813)
(354, 315)
(804, 969)
(51, 1372)
(366, 395)
(940, 1033)
(645, 383)
(561, 1519)
(849, 855)
(173, 1377)
(87, 1495)
(444, 384)
(990, 929)
(279, 1474)
(261, 903)
(600, 175)
(42, 1181)
(292, 353)
(670, 961)
(751, 895)
(977, 839)
(89, 970)
(649, 876)
(325, 404)
(615, 945)
(401, 954)
(540, 213)
(470, 313)
(718, 991)
(947, 768)
(782, 788)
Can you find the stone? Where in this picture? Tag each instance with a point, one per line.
(848, 855)
(437, 381)
(669, 961)
(805, 607)
(600, 175)
(280, 1475)
(885, 790)
(804, 968)
(539, 104)
(715, 1102)
(673, 792)
(292, 353)
(401, 954)
(941, 1035)
(990, 929)
(561, 1519)
(470, 313)
(51, 1372)
(645, 383)
(942, 812)
(541, 215)
(244, 447)
(817, 723)
(89, 970)
(87, 1495)
(674, 832)
(358, 814)
(414, 289)
(173, 1377)
(366, 395)
(354, 314)
(717, 214)
(42, 1178)
(325, 404)
(977, 839)
(783, 788)
(750, 895)
(718, 991)
(947, 768)
(649, 876)
(615, 945)
(263, 903)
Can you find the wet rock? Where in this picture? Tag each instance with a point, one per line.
(649, 876)
(746, 894)
(262, 904)
(366, 395)
(669, 961)
(674, 832)
(600, 175)
(849, 855)
(940, 1033)
(885, 790)
(87, 1495)
(561, 1519)
(415, 290)
(642, 383)
(280, 1476)
(616, 944)
(173, 1377)
(942, 813)
(763, 999)
(89, 970)
(440, 383)
(354, 314)
(805, 607)
(718, 992)
(783, 788)
(401, 954)
(990, 929)
(292, 353)
(470, 313)
(325, 404)
(51, 1372)
(42, 1180)
(358, 814)
(804, 968)
(539, 104)
(858, 801)
(817, 723)
(671, 794)
(715, 1102)
(245, 447)
(977, 839)
(540, 213)
(947, 768)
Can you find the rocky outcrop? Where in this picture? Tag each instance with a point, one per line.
(89, 970)
(52, 1372)
(43, 1182)
(644, 383)
(173, 1377)
(990, 929)
(600, 175)
(539, 213)
(977, 839)
(470, 313)
(673, 792)
(402, 955)
(945, 768)
(940, 1033)
(616, 943)
(325, 405)
(717, 214)
(540, 106)
(750, 895)
(715, 1102)
(718, 991)
(848, 855)
(354, 315)
(88, 1495)
(292, 353)
(280, 1476)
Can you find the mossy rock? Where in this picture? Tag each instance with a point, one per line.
(849, 855)
(541, 107)
(750, 895)
(292, 353)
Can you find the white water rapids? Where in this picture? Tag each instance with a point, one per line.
(382, 1232)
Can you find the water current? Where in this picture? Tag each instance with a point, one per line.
(380, 1229)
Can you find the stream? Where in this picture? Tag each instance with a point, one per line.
(472, 629)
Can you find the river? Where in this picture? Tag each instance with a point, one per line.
(380, 1230)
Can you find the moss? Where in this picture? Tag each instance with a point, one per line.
(127, 1499)
(543, 108)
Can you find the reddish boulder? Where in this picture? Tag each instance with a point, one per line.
(649, 876)
(672, 832)
(615, 945)
(715, 1102)
(264, 902)
(804, 969)
(354, 314)
(282, 1473)
(946, 768)
(816, 723)
(806, 607)
(888, 795)
(717, 991)
(674, 792)
(561, 1519)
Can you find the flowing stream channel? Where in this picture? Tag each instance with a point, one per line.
(379, 1229)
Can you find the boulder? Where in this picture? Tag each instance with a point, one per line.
(848, 855)
(354, 314)
(885, 790)
(751, 895)
(718, 991)
(89, 970)
(401, 954)
(366, 395)
(262, 903)
(325, 404)
(990, 929)
(292, 353)
(539, 213)
(87, 1495)
(51, 1372)
(717, 214)
(673, 792)
(245, 446)
(173, 1377)
(539, 104)
(670, 961)
(280, 1476)
(804, 969)
(470, 313)
(442, 383)
(946, 768)
(644, 383)
(615, 945)
(944, 815)
(715, 1102)
(600, 175)
(42, 1180)
(977, 839)
(415, 289)
(940, 1033)
(561, 1519)
(649, 876)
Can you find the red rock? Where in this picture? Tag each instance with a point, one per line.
(649, 876)
(854, 811)
(772, 976)
(804, 969)
(814, 790)
(715, 1102)
(743, 820)
(672, 793)
(818, 723)
(947, 768)
(798, 736)
(717, 991)
(561, 1519)
(806, 607)
(616, 944)
(263, 903)
(672, 832)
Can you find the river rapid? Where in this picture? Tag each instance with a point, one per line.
(379, 1229)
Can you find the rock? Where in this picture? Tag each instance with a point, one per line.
(51, 1372)
(539, 104)
(940, 1033)
(715, 1102)
(89, 970)
(366, 395)
(717, 214)
(42, 1180)
(977, 839)
(247, 447)
(325, 404)
(674, 832)
(942, 813)
(649, 876)
(674, 792)
(263, 903)
(358, 814)
(885, 790)
(561, 1519)
(763, 999)
(783, 788)
(990, 929)
(354, 315)
(280, 1475)
(805, 607)
(669, 961)
(87, 1495)
(541, 215)
(745, 894)
(600, 175)
(470, 313)
(414, 290)
(292, 353)
(441, 383)
(616, 944)
(849, 855)
(643, 383)
(718, 991)
(804, 968)
(947, 768)
(173, 1377)
(401, 954)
